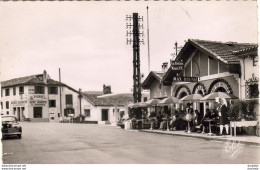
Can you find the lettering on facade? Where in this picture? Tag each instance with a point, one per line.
(19, 103)
(177, 65)
(39, 96)
(185, 79)
(218, 85)
(38, 102)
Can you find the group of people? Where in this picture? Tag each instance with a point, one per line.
(196, 120)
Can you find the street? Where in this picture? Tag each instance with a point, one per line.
(56, 143)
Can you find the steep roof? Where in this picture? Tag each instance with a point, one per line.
(36, 79)
(91, 96)
(246, 51)
(153, 75)
(223, 51)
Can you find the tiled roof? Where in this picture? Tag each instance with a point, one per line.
(32, 80)
(158, 74)
(246, 50)
(223, 51)
(29, 80)
(91, 96)
(153, 75)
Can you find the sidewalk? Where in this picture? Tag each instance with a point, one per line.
(252, 140)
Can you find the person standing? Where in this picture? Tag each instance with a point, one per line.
(223, 117)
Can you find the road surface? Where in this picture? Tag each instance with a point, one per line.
(56, 143)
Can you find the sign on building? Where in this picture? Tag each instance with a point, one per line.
(177, 65)
(19, 103)
(185, 79)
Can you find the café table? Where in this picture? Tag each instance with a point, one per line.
(210, 120)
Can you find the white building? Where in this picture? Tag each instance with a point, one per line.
(38, 98)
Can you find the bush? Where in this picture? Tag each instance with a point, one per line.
(241, 109)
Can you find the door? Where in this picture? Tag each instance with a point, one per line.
(18, 114)
(37, 112)
(104, 116)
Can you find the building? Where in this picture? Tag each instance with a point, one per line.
(202, 67)
(249, 81)
(38, 98)
(98, 109)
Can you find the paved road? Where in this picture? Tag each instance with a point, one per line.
(51, 143)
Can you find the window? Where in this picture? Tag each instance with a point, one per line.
(1, 105)
(69, 99)
(7, 112)
(37, 112)
(7, 104)
(39, 89)
(6, 92)
(21, 90)
(87, 112)
(14, 91)
(253, 91)
(52, 103)
(145, 99)
(68, 111)
(53, 90)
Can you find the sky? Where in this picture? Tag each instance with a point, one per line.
(87, 40)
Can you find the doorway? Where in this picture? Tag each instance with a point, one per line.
(18, 114)
(104, 116)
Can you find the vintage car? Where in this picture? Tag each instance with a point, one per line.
(10, 127)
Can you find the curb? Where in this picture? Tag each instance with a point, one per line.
(203, 137)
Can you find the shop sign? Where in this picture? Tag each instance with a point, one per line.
(39, 96)
(18, 103)
(185, 79)
(38, 102)
(177, 65)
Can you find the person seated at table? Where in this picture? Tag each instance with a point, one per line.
(198, 120)
(204, 124)
(176, 122)
(163, 125)
(152, 119)
(159, 119)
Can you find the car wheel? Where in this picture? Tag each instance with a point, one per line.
(19, 136)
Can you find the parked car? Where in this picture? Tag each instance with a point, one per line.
(10, 127)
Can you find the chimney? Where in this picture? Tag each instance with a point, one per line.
(45, 76)
(164, 67)
(106, 89)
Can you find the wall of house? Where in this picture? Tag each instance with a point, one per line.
(248, 70)
(200, 65)
(156, 91)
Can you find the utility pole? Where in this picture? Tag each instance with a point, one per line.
(176, 49)
(80, 97)
(135, 26)
(148, 42)
(61, 115)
